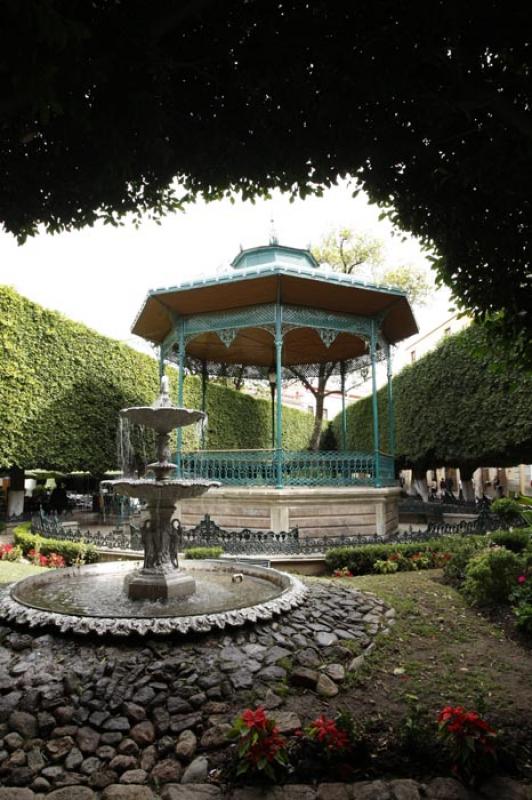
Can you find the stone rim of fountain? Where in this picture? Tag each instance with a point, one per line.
(292, 595)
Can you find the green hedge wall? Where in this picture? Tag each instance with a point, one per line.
(62, 386)
(453, 409)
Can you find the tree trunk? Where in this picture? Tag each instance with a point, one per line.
(15, 497)
(468, 490)
(319, 394)
(419, 482)
(318, 421)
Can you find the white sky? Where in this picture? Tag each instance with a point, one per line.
(100, 276)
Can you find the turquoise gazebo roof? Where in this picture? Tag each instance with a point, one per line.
(274, 255)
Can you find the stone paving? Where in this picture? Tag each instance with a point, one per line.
(147, 720)
(111, 716)
(436, 789)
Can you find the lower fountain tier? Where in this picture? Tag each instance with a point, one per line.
(160, 584)
(92, 599)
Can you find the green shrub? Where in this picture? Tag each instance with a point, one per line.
(72, 552)
(385, 567)
(527, 516)
(455, 569)
(506, 508)
(521, 599)
(203, 552)
(515, 540)
(360, 560)
(491, 576)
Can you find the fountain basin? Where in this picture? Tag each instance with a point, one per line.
(162, 419)
(165, 490)
(91, 599)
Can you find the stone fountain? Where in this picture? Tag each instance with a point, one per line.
(160, 577)
(156, 595)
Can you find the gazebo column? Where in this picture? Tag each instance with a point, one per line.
(344, 415)
(279, 400)
(162, 354)
(180, 387)
(391, 414)
(375, 404)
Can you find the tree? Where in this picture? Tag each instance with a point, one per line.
(358, 252)
(350, 251)
(427, 105)
(346, 250)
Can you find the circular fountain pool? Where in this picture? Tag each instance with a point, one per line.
(93, 599)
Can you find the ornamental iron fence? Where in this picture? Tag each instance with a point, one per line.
(208, 534)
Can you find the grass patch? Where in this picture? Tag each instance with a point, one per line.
(439, 650)
(14, 571)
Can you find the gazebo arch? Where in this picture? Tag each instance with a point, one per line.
(276, 310)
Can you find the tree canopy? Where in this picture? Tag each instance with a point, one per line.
(363, 255)
(427, 105)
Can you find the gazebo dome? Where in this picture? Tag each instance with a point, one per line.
(274, 255)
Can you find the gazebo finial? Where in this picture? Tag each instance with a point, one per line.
(274, 239)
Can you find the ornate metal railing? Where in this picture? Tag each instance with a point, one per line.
(208, 534)
(295, 468)
(120, 538)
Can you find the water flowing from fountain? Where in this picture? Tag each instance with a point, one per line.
(125, 452)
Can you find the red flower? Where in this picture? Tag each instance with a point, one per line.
(254, 719)
(325, 730)
(521, 579)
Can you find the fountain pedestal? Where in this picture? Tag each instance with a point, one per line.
(160, 585)
(160, 577)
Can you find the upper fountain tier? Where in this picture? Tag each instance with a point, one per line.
(162, 416)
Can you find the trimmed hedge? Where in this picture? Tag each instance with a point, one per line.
(203, 552)
(62, 386)
(70, 551)
(515, 540)
(360, 560)
(452, 409)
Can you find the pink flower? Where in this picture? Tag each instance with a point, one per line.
(521, 579)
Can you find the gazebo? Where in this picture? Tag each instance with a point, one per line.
(276, 310)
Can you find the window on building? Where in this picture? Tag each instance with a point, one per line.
(310, 410)
(325, 414)
(412, 355)
(447, 332)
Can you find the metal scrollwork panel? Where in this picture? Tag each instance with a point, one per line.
(227, 336)
(327, 336)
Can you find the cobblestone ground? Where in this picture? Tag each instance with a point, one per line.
(139, 720)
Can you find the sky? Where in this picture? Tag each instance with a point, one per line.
(100, 276)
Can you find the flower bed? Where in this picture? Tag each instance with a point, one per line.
(72, 553)
(336, 747)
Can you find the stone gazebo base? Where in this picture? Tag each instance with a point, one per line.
(316, 511)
